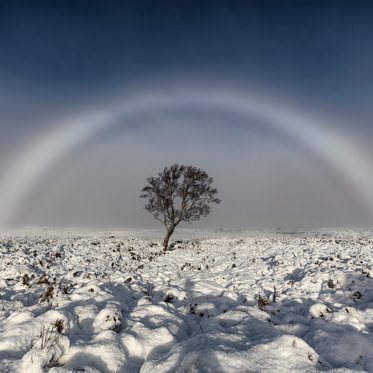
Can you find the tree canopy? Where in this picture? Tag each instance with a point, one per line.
(179, 193)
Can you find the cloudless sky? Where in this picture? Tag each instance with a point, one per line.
(61, 60)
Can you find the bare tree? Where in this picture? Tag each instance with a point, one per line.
(171, 200)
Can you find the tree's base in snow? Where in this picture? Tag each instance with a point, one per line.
(109, 302)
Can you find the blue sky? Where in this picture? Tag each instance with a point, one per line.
(65, 61)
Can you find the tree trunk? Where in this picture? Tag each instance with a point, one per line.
(166, 239)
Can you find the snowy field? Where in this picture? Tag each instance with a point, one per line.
(217, 301)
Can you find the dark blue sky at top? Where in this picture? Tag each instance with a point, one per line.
(60, 57)
(313, 48)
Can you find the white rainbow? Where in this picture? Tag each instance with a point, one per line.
(338, 152)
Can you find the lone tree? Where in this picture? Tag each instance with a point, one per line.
(171, 200)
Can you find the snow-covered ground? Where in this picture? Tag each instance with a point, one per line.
(218, 301)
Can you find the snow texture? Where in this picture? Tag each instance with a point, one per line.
(271, 301)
